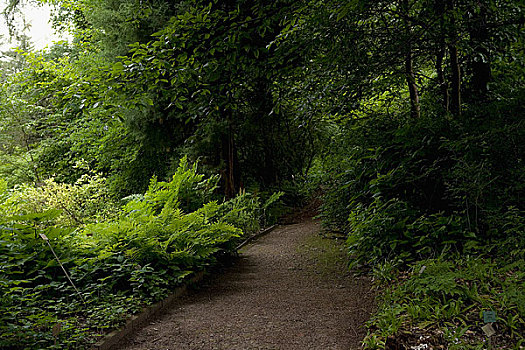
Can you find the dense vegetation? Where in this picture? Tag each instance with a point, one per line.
(407, 115)
(117, 258)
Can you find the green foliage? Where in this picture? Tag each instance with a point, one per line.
(436, 188)
(87, 200)
(448, 296)
(443, 187)
(134, 116)
(404, 189)
(126, 260)
(234, 124)
(186, 190)
(391, 230)
(407, 114)
(3, 189)
(246, 211)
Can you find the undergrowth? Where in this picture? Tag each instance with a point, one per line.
(439, 303)
(118, 262)
(434, 209)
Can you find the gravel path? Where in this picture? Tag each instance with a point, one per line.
(284, 292)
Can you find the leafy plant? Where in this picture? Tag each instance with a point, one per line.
(447, 297)
(125, 261)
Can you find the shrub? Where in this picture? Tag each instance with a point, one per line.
(392, 230)
(87, 200)
(124, 261)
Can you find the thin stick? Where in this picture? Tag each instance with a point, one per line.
(62, 266)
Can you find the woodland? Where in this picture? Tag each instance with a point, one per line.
(148, 146)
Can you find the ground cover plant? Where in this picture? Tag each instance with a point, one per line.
(440, 302)
(118, 265)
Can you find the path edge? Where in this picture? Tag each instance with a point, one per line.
(114, 338)
(257, 235)
(110, 340)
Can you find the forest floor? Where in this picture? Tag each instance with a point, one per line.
(287, 290)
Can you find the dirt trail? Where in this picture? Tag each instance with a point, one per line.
(284, 292)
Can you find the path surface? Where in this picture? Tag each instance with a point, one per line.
(284, 292)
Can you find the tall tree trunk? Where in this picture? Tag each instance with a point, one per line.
(455, 84)
(440, 55)
(443, 86)
(230, 175)
(455, 68)
(480, 60)
(415, 108)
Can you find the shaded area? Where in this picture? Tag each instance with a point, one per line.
(289, 290)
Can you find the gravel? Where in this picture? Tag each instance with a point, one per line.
(287, 290)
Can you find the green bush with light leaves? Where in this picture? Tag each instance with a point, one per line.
(86, 200)
(118, 263)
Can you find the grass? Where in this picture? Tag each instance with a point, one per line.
(328, 254)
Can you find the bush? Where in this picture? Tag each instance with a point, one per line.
(415, 187)
(393, 231)
(87, 200)
(118, 264)
(246, 211)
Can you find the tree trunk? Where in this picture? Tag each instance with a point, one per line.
(440, 55)
(230, 159)
(455, 68)
(415, 108)
(455, 84)
(443, 86)
(480, 60)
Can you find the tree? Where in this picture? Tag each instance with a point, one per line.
(210, 73)
(373, 44)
